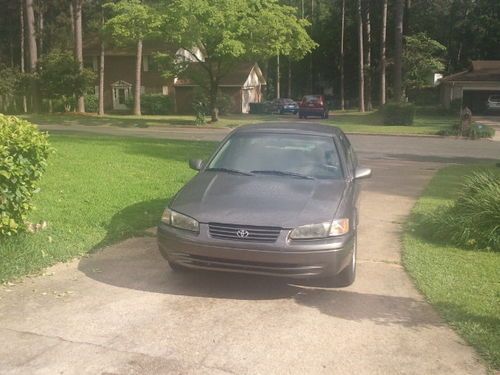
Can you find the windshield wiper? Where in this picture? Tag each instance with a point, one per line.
(285, 173)
(229, 170)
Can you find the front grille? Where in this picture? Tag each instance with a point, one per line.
(248, 233)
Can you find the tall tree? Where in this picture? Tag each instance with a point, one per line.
(383, 41)
(78, 46)
(232, 31)
(361, 59)
(289, 77)
(398, 50)
(100, 110)
(22, 51)
(33, 53)
(368, 65)
(132, 22)
(278, 78)
(342, 57)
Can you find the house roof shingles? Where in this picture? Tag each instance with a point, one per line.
(235, 77)
(481, 71)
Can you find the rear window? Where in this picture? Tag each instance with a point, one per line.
(312, 98)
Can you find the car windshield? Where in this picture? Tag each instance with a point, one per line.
(286, 155)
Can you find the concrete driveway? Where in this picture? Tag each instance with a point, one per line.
(122, 311)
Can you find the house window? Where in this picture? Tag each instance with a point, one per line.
(149, 64)
(164, 90)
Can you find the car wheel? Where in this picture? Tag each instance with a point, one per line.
(347, 276)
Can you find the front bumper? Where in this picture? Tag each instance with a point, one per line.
(287, 258)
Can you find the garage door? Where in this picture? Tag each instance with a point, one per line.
(476, 100)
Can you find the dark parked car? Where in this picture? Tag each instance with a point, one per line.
(285, 105)
(313, 105)
(272, 200)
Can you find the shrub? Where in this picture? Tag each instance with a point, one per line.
(156, 104)
(91, 103)
(152, 104)
(473, 220)
(477, 131)
(398, 114)
(23, 154)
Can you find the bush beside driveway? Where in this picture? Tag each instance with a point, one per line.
(462, 284)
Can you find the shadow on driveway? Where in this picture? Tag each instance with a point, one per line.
(136, 264)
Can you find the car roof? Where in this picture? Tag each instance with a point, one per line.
(291, 128)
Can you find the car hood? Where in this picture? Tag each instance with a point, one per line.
(259, 200)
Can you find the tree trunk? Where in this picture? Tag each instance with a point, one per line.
(33, 55)
(72, 16)
(214, 108)
(101, 81)
(138, 73)
(278, 83)
(342, 34)
(40, 28)
(398, 51)
(368, 65)
(361, 60)
(77, 13)
(383, 41)
(289, 77)
(21, 26)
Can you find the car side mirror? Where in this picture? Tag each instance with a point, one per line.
(362, 172)
(196, 164)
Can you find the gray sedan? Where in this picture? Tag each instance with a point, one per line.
(272, 200)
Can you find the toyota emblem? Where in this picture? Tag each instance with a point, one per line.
(242, 233)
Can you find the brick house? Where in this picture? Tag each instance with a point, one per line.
(242, 85)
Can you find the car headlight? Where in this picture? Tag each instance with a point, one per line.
(321, 230)
(180, 221)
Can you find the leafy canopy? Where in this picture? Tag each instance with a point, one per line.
(59, 76)
(237, 29)
(131, 21)
(422, 56)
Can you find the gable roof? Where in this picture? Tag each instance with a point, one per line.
(236, 77)
(480, 71)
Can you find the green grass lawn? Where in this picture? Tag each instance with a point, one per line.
(371, 122)
(96, 191)
(464, 286)
(145, 121)
(349, 121)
